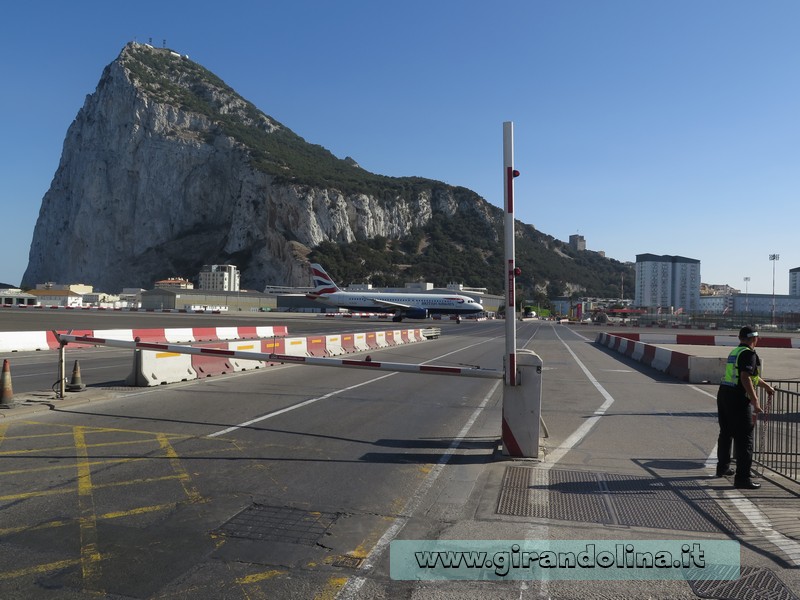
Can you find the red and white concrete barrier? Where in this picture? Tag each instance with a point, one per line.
(680, 339)
(25, 341)
(333, 344)
(694, 369)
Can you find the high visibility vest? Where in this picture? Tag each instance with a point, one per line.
(731, 376)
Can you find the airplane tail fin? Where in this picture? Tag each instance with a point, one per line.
(323, 284)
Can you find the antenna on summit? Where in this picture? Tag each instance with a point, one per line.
(164, 43)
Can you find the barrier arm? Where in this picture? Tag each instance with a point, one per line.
(262, 356)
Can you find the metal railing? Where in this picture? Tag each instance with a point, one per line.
(777, 434)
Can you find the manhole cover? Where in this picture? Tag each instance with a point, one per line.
(278, 524)
(680, 504)
(752, 583)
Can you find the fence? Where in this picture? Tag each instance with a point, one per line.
(777, 436)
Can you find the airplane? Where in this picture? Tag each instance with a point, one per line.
(411, 306)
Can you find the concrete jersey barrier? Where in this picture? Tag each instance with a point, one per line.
(27, 341)
(694, 369)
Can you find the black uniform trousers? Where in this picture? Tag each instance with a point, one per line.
(735, 414)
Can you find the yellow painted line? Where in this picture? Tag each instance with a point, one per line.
(90, 555)
(331, 588)
(94, 463)
(105, 429)
(97, 445)
(38, 569)
(250, 347)
(142, 510)
(37, 494)
(113, 484)
(167, 354)
(69, 522)
(177, 466)
(295, 342)
(256, 577)
(334, 338)
(38, 435)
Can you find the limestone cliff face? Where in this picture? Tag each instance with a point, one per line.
(157, 177)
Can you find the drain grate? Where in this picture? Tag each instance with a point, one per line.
(752, 583)
(278, 524)
(347, 561)
(679, 504)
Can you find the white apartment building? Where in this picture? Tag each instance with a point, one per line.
(667, 281)
(223, 278)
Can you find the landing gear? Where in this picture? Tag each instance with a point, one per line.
(458, 319)
(397, 318)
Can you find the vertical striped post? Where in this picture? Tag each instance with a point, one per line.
(510, 280)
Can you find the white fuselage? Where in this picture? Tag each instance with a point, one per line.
(388, 302)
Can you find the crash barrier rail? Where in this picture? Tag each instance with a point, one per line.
(777, 436)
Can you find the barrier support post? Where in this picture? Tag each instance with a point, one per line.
(522, 408)
(62, 370)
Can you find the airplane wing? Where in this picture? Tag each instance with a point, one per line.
(389, 304)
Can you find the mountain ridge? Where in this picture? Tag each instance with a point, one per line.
(167, 168)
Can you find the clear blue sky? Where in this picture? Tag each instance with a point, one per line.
(647, 126)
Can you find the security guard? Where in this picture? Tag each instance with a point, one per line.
(737, 406)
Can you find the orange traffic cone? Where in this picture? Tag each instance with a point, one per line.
(7, 396)
(75, 384)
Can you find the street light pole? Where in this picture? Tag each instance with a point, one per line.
(774, 258)
(746, 297)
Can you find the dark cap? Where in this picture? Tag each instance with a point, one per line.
(747, 333)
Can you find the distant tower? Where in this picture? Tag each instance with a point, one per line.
(220, 277)
(578, 242)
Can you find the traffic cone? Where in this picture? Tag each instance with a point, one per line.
(7, 396)
(75, 384)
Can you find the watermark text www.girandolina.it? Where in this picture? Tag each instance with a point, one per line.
(564, 559)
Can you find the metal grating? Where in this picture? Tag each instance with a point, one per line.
(347, 561)
(278, 524)
(588, 497)
(753, 583)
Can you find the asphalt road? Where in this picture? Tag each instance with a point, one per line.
(291, 481)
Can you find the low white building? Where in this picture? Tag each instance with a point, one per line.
(16, 297)
(66, 298)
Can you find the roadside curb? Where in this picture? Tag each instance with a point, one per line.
(31, 403)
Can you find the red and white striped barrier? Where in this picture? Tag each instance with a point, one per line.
(356, 315)
(679, 339)
(165, 350)
(694, 369)
(25, 341)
